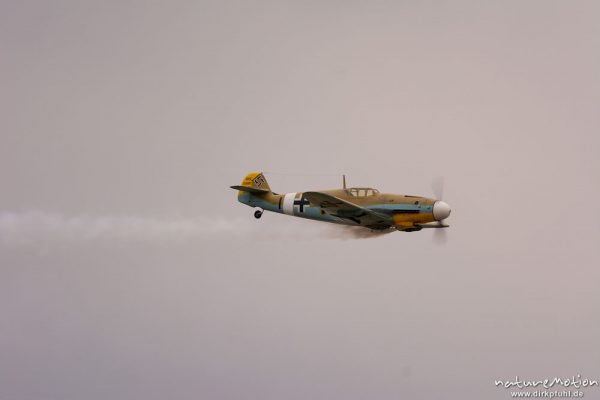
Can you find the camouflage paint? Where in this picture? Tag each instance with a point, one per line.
(405, 212)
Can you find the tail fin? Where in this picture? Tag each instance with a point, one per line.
(254, 182)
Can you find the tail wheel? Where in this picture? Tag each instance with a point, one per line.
(258, 214)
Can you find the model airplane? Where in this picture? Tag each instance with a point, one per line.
(356, 206)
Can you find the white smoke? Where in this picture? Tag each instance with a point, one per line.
(28, 227)
(37, 227)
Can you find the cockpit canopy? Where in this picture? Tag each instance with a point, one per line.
(362, 192)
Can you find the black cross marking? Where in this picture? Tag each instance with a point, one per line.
(302, 202)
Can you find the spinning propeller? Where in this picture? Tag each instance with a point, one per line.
(441, 211)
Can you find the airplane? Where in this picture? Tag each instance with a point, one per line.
(356, 206)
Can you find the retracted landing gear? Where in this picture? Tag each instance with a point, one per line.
(258, 214)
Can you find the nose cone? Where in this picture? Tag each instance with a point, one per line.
(441, 210)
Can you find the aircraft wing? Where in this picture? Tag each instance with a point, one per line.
(344, 209)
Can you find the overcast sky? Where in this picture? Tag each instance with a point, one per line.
(128, 270)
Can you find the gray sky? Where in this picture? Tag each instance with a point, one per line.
(129, 271)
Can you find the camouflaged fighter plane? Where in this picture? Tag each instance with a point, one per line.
(358, 206)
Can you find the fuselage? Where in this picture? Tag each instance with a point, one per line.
(405, 210)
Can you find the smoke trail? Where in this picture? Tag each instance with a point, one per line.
(36, 227)
(27, 227)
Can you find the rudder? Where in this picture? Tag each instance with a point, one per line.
(256, 180)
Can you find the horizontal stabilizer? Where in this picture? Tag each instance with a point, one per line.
(250, 189)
